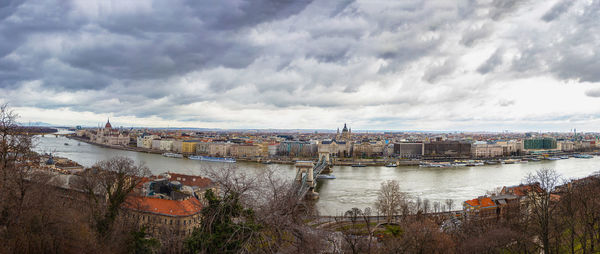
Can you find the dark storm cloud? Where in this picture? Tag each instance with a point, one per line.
(557, 10)
(492, 62)
(502, 8)
(437, 71)
(476, 34)
(155, 58)
(173, 38)
(569, 51)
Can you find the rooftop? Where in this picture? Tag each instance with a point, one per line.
(167, 207)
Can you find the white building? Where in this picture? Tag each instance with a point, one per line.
(145, 141)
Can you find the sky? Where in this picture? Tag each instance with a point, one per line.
(471, 65)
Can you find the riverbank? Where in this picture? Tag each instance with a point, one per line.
(375, 162)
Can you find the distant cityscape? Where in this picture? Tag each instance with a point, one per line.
(345, 146)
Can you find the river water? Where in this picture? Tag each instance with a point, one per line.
(353, 187)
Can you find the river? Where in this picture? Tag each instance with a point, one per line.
(353, 187)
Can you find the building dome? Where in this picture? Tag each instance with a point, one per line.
(107, 124)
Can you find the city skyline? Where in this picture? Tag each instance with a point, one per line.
(377, 65)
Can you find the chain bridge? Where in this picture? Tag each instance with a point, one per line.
(307, 173)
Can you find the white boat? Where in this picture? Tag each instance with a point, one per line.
(436, 165)
(325, 177)
(391, 165)
(213, 159)
(172, 155)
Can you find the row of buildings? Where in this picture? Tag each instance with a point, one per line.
(344, 144)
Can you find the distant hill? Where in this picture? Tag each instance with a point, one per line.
(36, 124)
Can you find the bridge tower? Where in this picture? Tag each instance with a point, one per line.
(307, 167)
(325, 155)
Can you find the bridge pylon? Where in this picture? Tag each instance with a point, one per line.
(305, 172)
(305, 167)
(325, 155)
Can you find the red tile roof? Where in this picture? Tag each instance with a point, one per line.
(167, 207)
(487, 202)
(189, 180)
(484, 202)
(473, 202)
(521, 190)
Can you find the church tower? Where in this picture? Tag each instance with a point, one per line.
(345, 132)
(107, 125)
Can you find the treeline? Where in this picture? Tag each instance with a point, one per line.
(45, 212)
(553, 216)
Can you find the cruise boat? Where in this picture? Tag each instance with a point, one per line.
(583, 156)
(473, 163)
(172, 155)
(391, 165)
(325, 177)
(213, 159)
(564, 157)
(436, 165)
(553, 158)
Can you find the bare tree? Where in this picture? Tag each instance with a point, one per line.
(277, 208)
(355, 229)
(436, 206)
(107, 185)
(449, 204)
(426, 206)
(35, 215)
(390, 200)
(541, 208)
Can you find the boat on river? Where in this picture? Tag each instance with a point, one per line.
(583, 156)
(511, 161)
(358, 165)
(325, 177)
(391, 165)
(492, 162)
(473, 163)
(436, 165)
(172, 155)
(213, 159)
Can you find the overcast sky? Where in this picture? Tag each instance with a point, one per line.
(401, 65)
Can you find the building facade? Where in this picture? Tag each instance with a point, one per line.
(110, 136)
